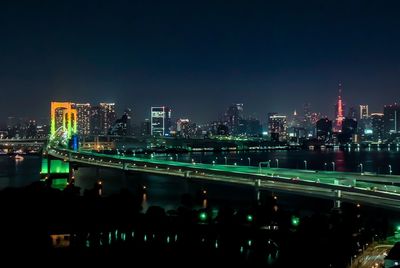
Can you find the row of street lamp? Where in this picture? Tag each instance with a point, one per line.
(277, 163)
(305, 164)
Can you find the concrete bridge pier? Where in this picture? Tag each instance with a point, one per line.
(124, 175)
(71, 174)
(257, 190)
(48, 166)
(337, 202)
(187, 181)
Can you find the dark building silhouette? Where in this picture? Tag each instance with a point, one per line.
(349, 128)
(95, 121)
(129, 127)
(352, 113)
(145, 128)
(120, 126)
(377, 124)
(249, 127)
(324, 129)
(391, 120)
(233, 116)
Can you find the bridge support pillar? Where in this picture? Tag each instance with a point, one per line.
(187, 181)
(48, 167)
(71, 174)
(337, 201)
(124, 175)
(257, 190)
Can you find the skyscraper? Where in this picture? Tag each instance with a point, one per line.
(349, 129)
(377, 126)
(324, 129)
(129, 127)
(364, 111)
(96, 121)
(83, 110)
(160, 121)
(145, 128)
(108, 116)
(391, 119)
(277, 127)
(339, 111)
(233, 115)
(352, 114)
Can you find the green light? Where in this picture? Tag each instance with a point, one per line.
(249, 218)
(203, 216)
(398, 228)
(295, 221)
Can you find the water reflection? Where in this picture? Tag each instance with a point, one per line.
(145, 205)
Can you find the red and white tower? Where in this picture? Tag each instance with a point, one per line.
(339, 111)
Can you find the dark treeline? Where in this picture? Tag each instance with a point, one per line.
(114, 228)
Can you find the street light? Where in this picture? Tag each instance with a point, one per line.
(277, 162)
(325, 165)
(226, 160)
(248, 158)
(333, 166)
(213, 162)
(390, 169)
(361, 168)
(269, 163)
(305, 164)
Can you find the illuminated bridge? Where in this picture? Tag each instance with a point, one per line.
(379, 190)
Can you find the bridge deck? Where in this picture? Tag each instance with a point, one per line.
(355, 186)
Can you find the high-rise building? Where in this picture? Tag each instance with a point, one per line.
(145, 128)
(277, 127)
(96, 121)
(295, 120)
(108, 116)
(160, 121)
(324, 129)
(378, 127)
(31, 130)
(185, 128)
(232, 116)
(352, 114)
(339, 111)
(391, 119)
(181, 124)
(349, 129)
(83, 110)
(129, 127)
(364, 111)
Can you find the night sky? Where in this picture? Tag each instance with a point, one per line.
(198, 56)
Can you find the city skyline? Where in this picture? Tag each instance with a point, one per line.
(189, 56)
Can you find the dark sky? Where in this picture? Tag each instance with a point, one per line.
(198, 56)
